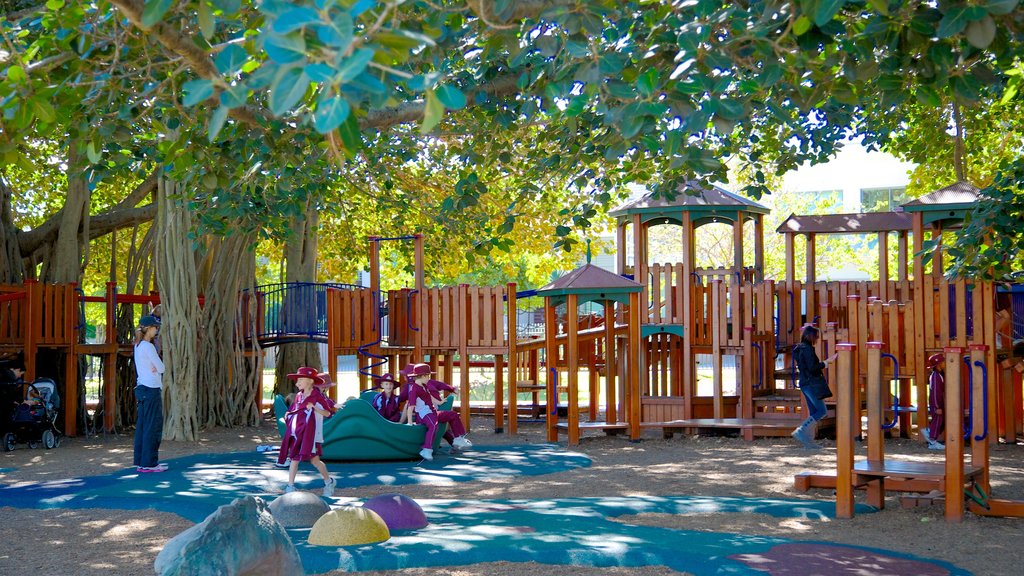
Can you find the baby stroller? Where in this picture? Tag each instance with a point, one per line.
(34, 420)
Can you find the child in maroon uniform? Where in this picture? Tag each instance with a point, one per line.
(420, 401)
(304, 428)
(386, 401)
(936, 402)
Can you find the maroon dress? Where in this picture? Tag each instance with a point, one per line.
(303, 437)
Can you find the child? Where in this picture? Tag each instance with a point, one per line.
(386, 401)
(936, 400)
(420, 401)
(304, 423)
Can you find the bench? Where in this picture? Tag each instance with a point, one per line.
(873, 474)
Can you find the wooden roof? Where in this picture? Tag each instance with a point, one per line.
(958, 195)
(865, 223)
(593, 283)
(690, 197)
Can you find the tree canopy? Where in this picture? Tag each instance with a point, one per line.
(480, 111)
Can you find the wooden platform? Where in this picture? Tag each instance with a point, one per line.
(622, 426)
(865, 469)
(763, 426)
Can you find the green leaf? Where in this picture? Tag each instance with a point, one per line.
(350, 137)
(929, 96)
(217, 119)
(206, 22)
(93, 152)
(16, 74)
(451, 97)
(294, 19)
(230, 59)
(981, 33)
(880, 6)
(432, 114)
(233, 97)
(956, 19)
(646, 82)
(354, 65)
(1000, 7)
(827, 9)
(196, 91)
(285, 49)
(154, 11)
(731, 109)
(320, 72)
(287, 90)
(330, 114)
(339, 33)
(802, 25)
(55, 4)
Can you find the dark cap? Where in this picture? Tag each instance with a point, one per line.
(147, 321)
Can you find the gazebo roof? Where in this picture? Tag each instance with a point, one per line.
(690, 198)
(958, 196)
(865, 223)
(593, 283)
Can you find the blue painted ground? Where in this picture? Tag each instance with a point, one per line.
(576, 531)
(582, 531)
(195, 486)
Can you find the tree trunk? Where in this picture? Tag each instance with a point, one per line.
(68, 255)
(300, 254)
(179, 297)
(12, 266)
(227, 390)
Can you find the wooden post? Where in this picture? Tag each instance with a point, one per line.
(71, 358)
(717, 312)
(853, 315)
(983, 422)
(759, 248)
(513, 354)
(790, 261)
(746, 407)
(737, 246)
(572, 366)
(883, 266)
(620, 252)
(640, 256)
(610, 414)
(902, 273)
(499, 393)
(420, 306)
(463, 314)
(876, 439)
(954, 413)
(110, 361)
(688, 372)
(633, 358)
(845, 430)
(551, 368)
(921, 379)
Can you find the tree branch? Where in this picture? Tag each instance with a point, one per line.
(122, 214)
(413, 111)
(197, 58)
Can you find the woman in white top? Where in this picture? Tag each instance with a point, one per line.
(149, 415)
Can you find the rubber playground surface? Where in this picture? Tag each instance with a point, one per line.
(581, 531)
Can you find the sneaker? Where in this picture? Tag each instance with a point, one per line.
(329, 485)
(427, 454)
(289, 488)
(924, 434)
(803, 436)
(284, 464)
(462, 443)
(150, 469)
(162, 465)
(936, 446)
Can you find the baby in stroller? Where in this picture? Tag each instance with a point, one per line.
(33, 420)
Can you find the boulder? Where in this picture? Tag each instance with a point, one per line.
(300, 509)
(348, 526)
(398, 511)
(238, 539)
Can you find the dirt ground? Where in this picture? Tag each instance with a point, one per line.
(121, 542)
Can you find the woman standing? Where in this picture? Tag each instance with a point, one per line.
(812, 384)
(149, 415)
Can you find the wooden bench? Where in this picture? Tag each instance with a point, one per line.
(873, 474)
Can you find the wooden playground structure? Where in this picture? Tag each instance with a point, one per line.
(664, 345)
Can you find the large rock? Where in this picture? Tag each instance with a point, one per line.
(398, 511)
(238, 539)
(348, 526)
(299, 509)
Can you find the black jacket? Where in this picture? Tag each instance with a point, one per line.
(807, 364)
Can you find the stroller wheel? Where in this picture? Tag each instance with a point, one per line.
(9, 441)
(33, 445)
(49, 440)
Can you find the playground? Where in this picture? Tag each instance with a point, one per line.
(653, 505)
